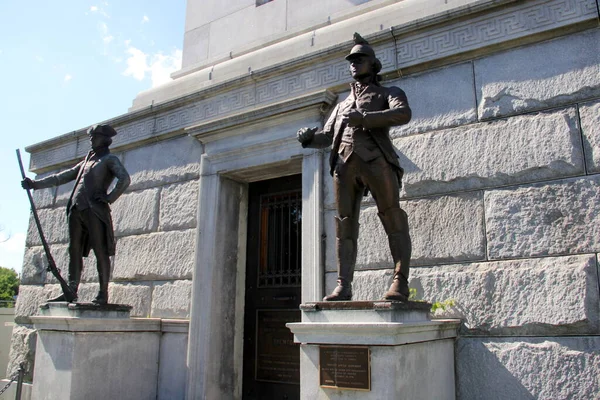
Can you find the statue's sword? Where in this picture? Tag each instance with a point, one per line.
(69, 295)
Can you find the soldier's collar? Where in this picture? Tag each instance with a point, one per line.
(360, 87)
(101, 152)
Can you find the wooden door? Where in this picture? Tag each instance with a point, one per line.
(273, 279)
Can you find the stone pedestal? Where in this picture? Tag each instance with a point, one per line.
(90, 352)
(393, 347)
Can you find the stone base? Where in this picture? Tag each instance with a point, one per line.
(85, 310)
(88, 352)
(11, 392)
(411, 356)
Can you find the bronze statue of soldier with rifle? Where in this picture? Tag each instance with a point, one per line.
(363, 159)
(88, 210)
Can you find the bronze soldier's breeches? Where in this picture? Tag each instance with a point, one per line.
(349, 181)
(85, 226)
(352, 177)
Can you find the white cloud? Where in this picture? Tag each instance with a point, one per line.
(145, 19)
(96, 9)
(136, 64)
(106, 37)
(39, 59)
(68, 77)
(11, 252)
(158, 66)
(103, 28)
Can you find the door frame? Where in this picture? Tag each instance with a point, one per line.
(215, 346)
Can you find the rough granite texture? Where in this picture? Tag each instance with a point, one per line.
(548, 74)
(520, 149)
(54, 225)
(29, 300)
(22, 350)
(63, 194)
(42, 198)
(171, 299)
(432, 223)
(519, 297)
(442, 98)
(561, 217)
(137, 295)
(590, 126)
(157, 256)
(33, 271)
(32, 296)
(179, 206)
(136, 212)
(528, 368)
(367, 285)
(170, 160)
(35, 265)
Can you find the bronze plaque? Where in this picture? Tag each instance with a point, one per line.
(347, 367)
(277, 356)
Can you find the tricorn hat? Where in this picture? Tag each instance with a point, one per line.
(361, 48)
(102, 129)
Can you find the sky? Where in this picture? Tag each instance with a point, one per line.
(66, 65)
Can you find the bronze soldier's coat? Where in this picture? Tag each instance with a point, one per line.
(93, 177)
(382, 107)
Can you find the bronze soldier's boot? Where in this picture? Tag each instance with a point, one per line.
(103, 267)
(347, 234)
(395, 223)
(73, 285)
(74, 277)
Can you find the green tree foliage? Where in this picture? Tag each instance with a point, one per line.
(9, 284)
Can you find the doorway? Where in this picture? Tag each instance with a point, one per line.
(273, 289)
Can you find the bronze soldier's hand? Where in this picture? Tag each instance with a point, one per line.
(352, 117)
(101, 198)
(27, 184)
(305, 135)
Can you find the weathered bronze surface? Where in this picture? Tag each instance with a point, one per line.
(88, 211)
(277, 356)
(345, 367)
(363, 159)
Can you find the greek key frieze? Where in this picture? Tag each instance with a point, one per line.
(490, 29)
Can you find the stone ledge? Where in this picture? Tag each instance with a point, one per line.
(392, 333)
(365, 311)
(229, 125)
(72, 324)
(175, 326)
(85, 310)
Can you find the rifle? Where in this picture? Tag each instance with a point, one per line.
(68, 292)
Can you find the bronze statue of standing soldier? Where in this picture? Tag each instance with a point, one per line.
(363, 159)
(88, 211)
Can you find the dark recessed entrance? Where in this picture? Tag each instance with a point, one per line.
(273, 278)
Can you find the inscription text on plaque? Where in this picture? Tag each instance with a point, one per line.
(345, 367)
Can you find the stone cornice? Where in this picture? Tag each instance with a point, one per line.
(447, 36)
(233, 125)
